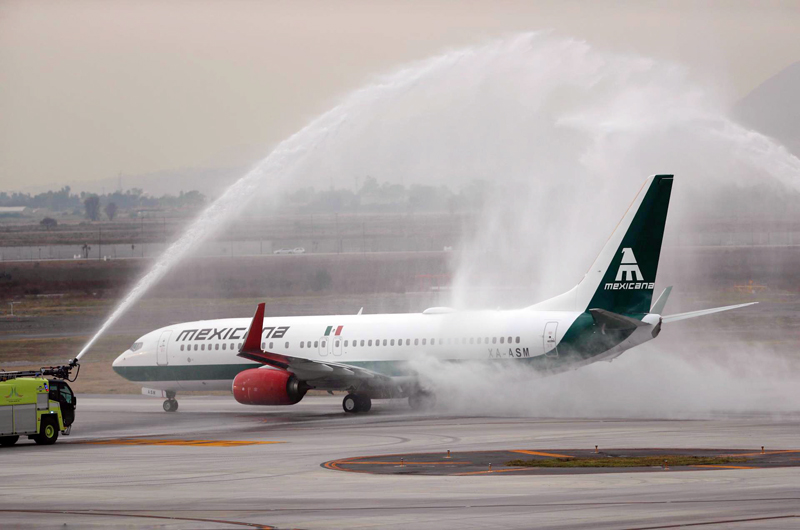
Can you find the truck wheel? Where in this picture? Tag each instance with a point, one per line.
(48, 434)
(7, 441)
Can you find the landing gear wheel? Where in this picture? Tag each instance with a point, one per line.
(7, 441)
(48, 433)
(421, 401)
(170, 405)
(350, 403)
(364, 403)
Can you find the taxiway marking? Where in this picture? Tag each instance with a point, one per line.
(196, 443)
(537, 453)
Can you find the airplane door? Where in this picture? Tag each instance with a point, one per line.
(161, 349)
(330, 346)
(550, 349)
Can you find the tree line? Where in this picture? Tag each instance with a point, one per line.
(92, 205)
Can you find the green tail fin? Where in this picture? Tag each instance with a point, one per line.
(630, 262)
(622, 277)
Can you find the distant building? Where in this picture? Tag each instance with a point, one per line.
(14, 211)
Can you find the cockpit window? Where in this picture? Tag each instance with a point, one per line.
(136, 346)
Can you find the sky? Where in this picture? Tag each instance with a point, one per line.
(90, 90)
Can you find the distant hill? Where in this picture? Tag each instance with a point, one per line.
(773, 108)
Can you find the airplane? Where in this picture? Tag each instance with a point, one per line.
(275, 361)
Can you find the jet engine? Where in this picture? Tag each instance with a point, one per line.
(265, 386)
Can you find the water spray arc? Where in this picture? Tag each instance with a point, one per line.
(277, 167)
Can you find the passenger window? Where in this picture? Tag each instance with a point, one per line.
(286, 346)
(408, 342)
(223, 345)
(362, 342)
(517, 340)
(370, 342)
(336, 345)
(423, 341)
(416, 342)
(384, 342)
(233, 346)
(316, 344)
(202, 347)
(345, 344)
(181, 347)
(494, 340)
(301, 344)
(270, 345)
(240, 345)
(501, 340)
(195, 347)
(263, 345)
(509, 340)
(392, 343)
(322, 344)
(216, 346)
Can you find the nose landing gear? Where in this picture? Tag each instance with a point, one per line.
(171, 404)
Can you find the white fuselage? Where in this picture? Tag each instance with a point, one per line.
(180, 352)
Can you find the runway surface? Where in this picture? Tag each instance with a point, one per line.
(218, 464)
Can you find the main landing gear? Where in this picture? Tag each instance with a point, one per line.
(354, 403)
(422, 401)
(171, 404)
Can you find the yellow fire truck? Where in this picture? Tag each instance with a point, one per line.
(34, 406)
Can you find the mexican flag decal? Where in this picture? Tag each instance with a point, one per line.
(329, 329)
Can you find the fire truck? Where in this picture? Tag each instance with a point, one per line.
(38, 404)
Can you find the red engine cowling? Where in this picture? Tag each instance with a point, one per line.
(263, 386)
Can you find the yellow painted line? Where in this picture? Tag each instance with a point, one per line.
(766, 453)
(197, 443)
(487, 472)
(405, 463)
(724, 467)
(537, 453)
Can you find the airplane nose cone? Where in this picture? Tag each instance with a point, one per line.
(119, 361)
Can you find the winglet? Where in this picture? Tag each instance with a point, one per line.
(252, 341)
(658, 307)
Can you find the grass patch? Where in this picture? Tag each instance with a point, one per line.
(629, 461)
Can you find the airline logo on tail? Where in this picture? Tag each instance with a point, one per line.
(628, 275)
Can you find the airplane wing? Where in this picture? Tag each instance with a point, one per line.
(325, 372)
(702, 312)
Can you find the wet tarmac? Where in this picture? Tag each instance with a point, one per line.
(218, 464)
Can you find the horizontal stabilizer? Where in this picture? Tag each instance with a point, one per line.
(702, 312)
(613, 322)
